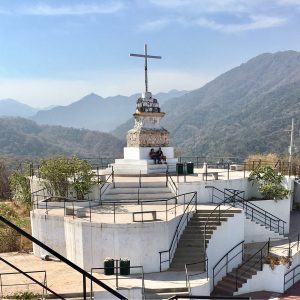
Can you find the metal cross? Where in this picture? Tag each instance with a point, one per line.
(146, 70)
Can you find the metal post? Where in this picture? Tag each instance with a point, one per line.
(117, 274)
(228, 171)
(84, 287)
(114, 213)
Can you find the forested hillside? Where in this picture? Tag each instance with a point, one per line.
(24, 138)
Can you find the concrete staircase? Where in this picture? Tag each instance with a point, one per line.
(227, 285)
(131, 192)
(190, 248)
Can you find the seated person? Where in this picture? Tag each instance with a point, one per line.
(161, 156)
(153, 155)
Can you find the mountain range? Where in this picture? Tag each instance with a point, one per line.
(245, 110)
(11, 107)
(95, 112)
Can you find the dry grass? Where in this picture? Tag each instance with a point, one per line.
(10, 240)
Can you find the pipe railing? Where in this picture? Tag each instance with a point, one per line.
(256, 259)
(86, 209)
(171, 184)
(257, 213)
(251, 210)
(291, 277)
(228, 257)
(118, 276)
(105, 184)
(189, 209)
(42, 284)
(216, 213)
(203, 263)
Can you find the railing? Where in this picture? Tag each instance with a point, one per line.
(26, 274)
(291, 242)
(256, 259)
(89, 209)
(171, 184)
(228, 257)
(119, 277)
(294, 277)
(106, 184)
(258, 214)
(216, 214)
(203, 263)
(251, 210)
(85, 274)
(190, 208)
(22, 284)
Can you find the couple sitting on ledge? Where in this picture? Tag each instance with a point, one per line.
(157, 156)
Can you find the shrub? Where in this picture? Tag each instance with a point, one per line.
(269, 183)
(61, 173)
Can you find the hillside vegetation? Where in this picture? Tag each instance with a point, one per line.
(245, 110)
(24, 138)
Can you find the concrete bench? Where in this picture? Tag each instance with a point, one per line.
(79, 211)
(236, 167)
(152, 212)
(214, 174)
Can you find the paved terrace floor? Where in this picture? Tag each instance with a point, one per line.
(65, 281)
(223, 174)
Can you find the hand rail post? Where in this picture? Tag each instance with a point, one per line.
(228, 171)
(113, 177)
(166, 178)
(117, 274)
(84, 286)
(140, 179)
(166, 210)
(114, 213)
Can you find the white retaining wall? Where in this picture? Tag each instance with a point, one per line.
(205, 194)
(88, 244)
(265, 280)
(256, 233)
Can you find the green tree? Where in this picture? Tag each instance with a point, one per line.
(269, 183)
(19, 184)
(61, 173)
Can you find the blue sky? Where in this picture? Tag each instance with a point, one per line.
(56, 51)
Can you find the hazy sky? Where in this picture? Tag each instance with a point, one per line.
(56, 51)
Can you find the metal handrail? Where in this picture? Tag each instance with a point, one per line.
(227, 261)
(183, 219)
(205, 261)
(92, 204)
(217, 208)
(260, 251)
(253, 208)
(111, 175)
(170, 182)
(117, 272)
(26, 274)
(260, 211)
(293, 270)
(85, 274)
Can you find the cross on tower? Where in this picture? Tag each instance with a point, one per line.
(146, 70)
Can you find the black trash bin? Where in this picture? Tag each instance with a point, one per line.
(179, 168)
(190, 168)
